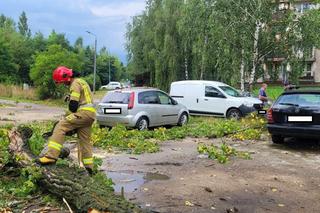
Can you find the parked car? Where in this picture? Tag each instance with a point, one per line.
(296, 113)
(140, 108)
(213, 98)
(112, 85)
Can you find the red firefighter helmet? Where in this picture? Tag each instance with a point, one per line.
(62, 75)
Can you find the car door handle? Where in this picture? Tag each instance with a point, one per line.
(197, 100)
(206, 99)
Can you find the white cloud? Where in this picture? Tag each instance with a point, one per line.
(126, 9)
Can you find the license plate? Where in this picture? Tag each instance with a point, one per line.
(299, 118)
(112, 111)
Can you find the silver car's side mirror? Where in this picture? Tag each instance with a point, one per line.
(174, 102)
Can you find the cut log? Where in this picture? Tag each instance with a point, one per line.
(80, 190)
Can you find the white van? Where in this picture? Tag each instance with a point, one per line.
(213, 98)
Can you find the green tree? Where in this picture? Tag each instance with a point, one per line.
(78, 45)
(60, 39)
(8, 69)
(45, 63)
(23, 25)
(39, 42)
(88, 56)
(224, 40)
(7, 23)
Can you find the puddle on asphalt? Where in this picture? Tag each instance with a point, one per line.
(132, 180)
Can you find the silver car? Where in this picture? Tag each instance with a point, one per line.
(140, 108)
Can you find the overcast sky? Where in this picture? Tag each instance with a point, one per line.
(106, 18)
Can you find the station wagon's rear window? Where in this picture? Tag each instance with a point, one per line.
(300, 100)
(116, 98)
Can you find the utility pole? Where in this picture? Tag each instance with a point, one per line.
(109, 69)
(94, 60)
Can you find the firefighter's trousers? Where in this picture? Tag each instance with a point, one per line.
(82, 121)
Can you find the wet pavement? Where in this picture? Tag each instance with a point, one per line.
(131, 181)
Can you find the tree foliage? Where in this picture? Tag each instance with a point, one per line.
(23, 25)
(45, 63)
(8, 70)
(31, 58)
(224, 40)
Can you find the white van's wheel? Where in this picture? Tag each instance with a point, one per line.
(234, 114)
(183, 119)
(142, 123)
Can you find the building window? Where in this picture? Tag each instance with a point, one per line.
(303, 7)
(309, 53)
(308, 70)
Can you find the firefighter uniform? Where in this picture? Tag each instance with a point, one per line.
(81, 120)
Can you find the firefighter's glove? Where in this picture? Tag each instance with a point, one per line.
(67, 98)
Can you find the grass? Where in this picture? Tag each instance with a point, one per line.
(48, 102)
(17, 94)
(273, 92)
(14, 91)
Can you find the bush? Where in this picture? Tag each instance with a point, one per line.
(45, 63)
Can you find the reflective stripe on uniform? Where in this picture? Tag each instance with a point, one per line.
(86, 91)
(76, 95)
(54, 145)
(91, 109)
(70, 117)
(87, 161)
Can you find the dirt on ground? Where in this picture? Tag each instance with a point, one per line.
(278, 178)
(12, 112)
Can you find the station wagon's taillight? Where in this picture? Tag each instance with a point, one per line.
(131, 101)
(269, 116)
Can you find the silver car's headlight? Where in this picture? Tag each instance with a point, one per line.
(248, 104)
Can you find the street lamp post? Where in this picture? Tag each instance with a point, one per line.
(94, 60)
(109, 69)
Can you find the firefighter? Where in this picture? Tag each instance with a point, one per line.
(81, 117)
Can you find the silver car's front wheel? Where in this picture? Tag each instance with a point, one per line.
(142, 124)
(183, 119)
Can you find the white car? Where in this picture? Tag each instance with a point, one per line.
(112, 85)
(213, 98)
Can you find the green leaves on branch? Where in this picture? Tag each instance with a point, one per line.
(222, 154)
(137, 142)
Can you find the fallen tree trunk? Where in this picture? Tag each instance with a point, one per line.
(82, 192)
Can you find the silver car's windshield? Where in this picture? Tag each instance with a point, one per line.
(116, 97)
(230, 91)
